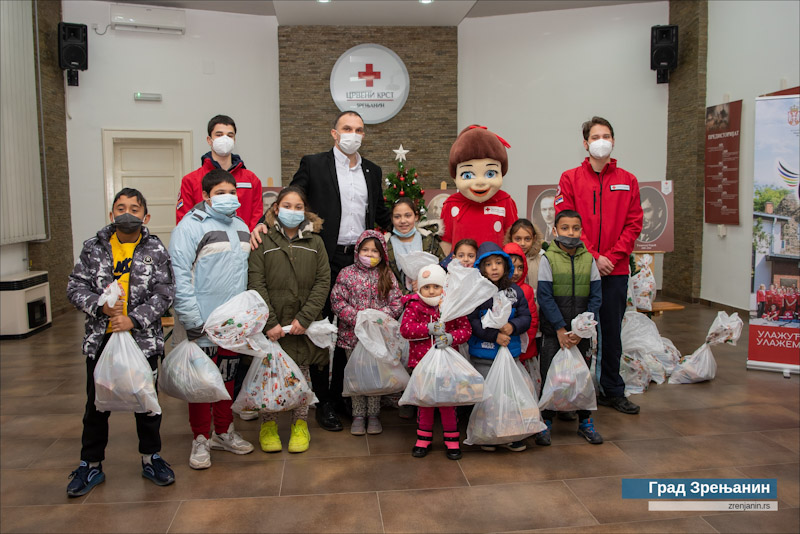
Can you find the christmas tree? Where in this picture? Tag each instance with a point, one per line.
(404, 183)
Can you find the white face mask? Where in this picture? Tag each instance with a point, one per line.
(349, 143)
(600, 149)
(222, 146)
(431, 301)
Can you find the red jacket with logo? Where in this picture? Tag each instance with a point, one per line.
(248, 189)
(482, 221)
(610, 209)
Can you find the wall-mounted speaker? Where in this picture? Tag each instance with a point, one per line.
(73, 49)
(663, 51)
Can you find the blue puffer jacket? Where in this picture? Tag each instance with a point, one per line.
(483, 344)
(209, 253)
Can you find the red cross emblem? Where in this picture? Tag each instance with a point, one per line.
(369, 75)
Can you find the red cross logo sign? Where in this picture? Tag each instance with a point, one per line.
(369, 75)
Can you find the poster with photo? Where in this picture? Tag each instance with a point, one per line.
(541, 209)
(434, 200)
(268, 196)
(658, 217)
(722, 163)
(774, 342)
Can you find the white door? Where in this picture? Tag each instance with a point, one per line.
(153, 166)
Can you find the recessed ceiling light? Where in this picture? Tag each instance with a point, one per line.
(324, 1)
(425, 1)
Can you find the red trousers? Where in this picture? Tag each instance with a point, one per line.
(200, 413)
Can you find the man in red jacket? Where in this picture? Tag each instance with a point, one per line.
(221, 137)
(607, 198)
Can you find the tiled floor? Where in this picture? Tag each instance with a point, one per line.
(742, 424)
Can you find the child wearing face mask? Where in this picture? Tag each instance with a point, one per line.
(367, 284)
(497, 266)
(520, 273)
(530, 239)
(406, 237)
(569, 284)
(422, 327)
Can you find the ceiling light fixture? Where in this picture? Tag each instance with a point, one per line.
(323, 1)
(425, 1)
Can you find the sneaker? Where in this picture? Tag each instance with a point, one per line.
(407, 411)
(621, 404)
(268, 437)
(542, 439)
(358, 427)
(158, 471)
(201, 453)
(586, 429)
(374, 425)
(516, 446)
(568, 416)
(231, 441)
(84, 478)
(488, 448)
(300, 438)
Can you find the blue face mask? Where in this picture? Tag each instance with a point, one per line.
(291, 218)
(411, 232)
(225, 204)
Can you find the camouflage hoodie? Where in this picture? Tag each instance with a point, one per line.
(151, 290)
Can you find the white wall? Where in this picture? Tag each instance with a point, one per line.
(13, 259)
(241, 49)
(752, 46)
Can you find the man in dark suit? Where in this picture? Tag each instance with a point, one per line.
(346, 191)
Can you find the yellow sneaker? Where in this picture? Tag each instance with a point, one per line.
(268, 437)
(300, 437)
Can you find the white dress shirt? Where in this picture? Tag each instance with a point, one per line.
(353, 194)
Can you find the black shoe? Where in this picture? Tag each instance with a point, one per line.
(84, 478)
(158, 471)
(454, 454)
(568, 416)
(327, 419)
(543, 439)
(621, 404)
(419, 452)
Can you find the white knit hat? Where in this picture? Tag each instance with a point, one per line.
(431, 274)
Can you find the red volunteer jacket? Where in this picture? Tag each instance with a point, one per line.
(761, 296)
(609, 206)
(248, 189)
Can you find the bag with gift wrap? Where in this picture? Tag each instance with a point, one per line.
(444, 377)
(187, 373)
(700, 365)
(634, 373)
(375, 366)
(568, 385)
(322, 333)
(237, 325)
(413, 262)
(509, 412)
(640, 334)
(670, 357)
(644, 283)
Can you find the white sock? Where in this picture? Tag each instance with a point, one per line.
(147, 458)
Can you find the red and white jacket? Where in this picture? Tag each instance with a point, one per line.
(610, 209)
(415, 328)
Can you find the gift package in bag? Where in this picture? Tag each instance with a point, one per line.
(526, 375)
(634, 373)
(670, 357)
(657, 372)
(509, 412)
(413, 262)
(237, 324)
(322, 333)
(700, 365)
(725, 329)
(123, 380)
(533, 367)
(644, 284)
(640, 334)
(497, 316)
(274, 383)
(568, 385)
(584, 326)
(375, 366)
(188, 373)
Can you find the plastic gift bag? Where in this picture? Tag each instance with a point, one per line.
(375, 366)
(528, 381)
(533, 367)
(644, 284)
(584, 325)
(237, 324)
(322, 333)
(700, 365)
(725, 329)
(634, 373)
(657, 372)
(568, 385)
(497, 316)
(187, 373)
(123, 378)
(274, 383)
(640, 334)
(509, 412)
(444, 377)
(412, 262)
(111, 294)
(670, 357)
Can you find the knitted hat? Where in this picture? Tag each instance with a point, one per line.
(431, 274)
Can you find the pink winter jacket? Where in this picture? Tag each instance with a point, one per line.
(415, 328)
(356, 289)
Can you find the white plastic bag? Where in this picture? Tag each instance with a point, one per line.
(464, 290)
(497, 316)
(509, 413)
(725, 329)
(568, 385)
(699, 366)
(111, 294)
(123, 380)
(644, 284)
(443, 378)
(657, 372)
(533, 367)
(375, 367)
(274, 383)
(187, 373)
(412, 262)
(634, 373)
(640, 334)
(322, 333)
(237, 324)
(529, 381)
(670, 357)
(584, 325)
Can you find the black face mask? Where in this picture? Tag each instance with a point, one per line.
(568, 242)
(127, 223)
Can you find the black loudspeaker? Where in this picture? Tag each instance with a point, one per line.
(663, 51)
(73, 50)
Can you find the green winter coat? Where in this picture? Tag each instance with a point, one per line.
(293, 278)
(431, 243)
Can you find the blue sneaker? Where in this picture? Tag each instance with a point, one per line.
(586, 429)
(542, 439)
(84, 478)
(158, 471)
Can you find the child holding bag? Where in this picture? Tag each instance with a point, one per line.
(421, 326)
(290, 271)
(569, 284)
(497, 266)
(367, 284)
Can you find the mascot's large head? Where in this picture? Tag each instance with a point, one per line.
(478, 162)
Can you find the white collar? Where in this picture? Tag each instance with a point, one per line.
(344, 159)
